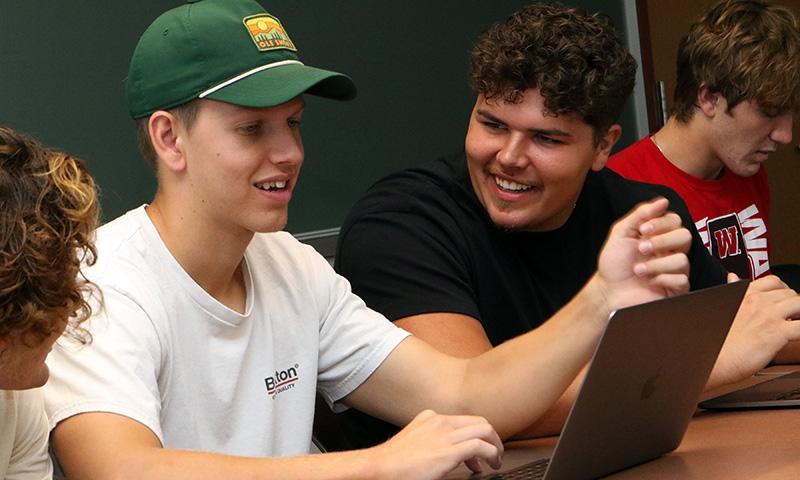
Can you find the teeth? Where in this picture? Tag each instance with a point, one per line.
(513, 186)
(278, 185)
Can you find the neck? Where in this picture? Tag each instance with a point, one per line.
(687, 147)
(211, 254)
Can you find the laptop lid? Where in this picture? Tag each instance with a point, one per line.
(642, 385)
(780, 392)
(644, 381)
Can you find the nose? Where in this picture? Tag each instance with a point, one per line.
(513, 153)
(287, 149)
(782, 133)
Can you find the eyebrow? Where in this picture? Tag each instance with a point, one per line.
(554, 132)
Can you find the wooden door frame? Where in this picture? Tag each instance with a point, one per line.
(648, 72)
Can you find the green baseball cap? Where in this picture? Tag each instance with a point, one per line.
(227, 50)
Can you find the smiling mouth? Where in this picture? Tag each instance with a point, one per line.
(275, 186)
(510, 186)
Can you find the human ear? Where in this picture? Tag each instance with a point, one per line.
(604, 146)
(708, 101)
(166, 136)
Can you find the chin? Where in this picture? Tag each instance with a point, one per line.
(270, 227)
(506, 222)
(747, 170)
(32, 380)
(266, 223)
(40, 377)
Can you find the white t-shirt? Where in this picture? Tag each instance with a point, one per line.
(202, 376)
(23, 436)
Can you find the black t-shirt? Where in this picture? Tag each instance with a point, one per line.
(419, 242)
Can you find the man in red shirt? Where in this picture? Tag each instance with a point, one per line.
(736, 93)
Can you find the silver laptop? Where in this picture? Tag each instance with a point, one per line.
(640, 390)
(780, 392)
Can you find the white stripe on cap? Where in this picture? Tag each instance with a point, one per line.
(247, 74)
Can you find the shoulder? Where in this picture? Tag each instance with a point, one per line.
(124, 244)
(23, 433)
(279, 259)
(432, 205)
(22, 407)
(435, 184)
(626, 192)
(131, 259)
(632, 157)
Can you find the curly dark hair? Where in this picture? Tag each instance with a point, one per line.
(576, 61)
(745, 50)
(48, 213)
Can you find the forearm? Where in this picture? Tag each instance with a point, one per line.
(512, 387)
(788, 354)
(159, 463)
(104, 446)
(553, 420)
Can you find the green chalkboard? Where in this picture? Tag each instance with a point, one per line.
(63, 66)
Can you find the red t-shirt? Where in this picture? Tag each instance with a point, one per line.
(730, 213)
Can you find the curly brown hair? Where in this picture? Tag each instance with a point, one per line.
(48, 213)
(576, 61)
(745, 50)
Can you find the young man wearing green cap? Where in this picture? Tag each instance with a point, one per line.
(218, 329)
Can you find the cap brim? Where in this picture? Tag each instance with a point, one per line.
(278, 85)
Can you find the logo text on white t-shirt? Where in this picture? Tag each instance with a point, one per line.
(282, 381)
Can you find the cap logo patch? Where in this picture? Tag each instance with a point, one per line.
(267, 33)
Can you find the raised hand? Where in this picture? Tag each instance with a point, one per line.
(432, 445)
(644, 257)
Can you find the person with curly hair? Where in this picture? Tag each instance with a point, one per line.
(218, 329)
(48, 212)
(486, 244)
(736, 93)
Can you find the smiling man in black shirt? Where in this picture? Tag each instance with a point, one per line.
(481, 246)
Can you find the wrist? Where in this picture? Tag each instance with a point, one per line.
(376, 465)
(596, 297)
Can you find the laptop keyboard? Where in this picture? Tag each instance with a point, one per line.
(790, 395)
(529, 471)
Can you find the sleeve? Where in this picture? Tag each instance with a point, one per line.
(408, 262)
(353, 339)
(117, 372)
(30, 459)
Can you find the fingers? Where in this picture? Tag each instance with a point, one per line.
(631, 223)
(421, 417)
(670, 273)
(788, 305)
(764, 284)
(676, 263)
(477, 437)
(793, 330)
(678, 239)
(671, 283)
(665, 223)
(732, 277)
(447, 440)
(475, 450)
